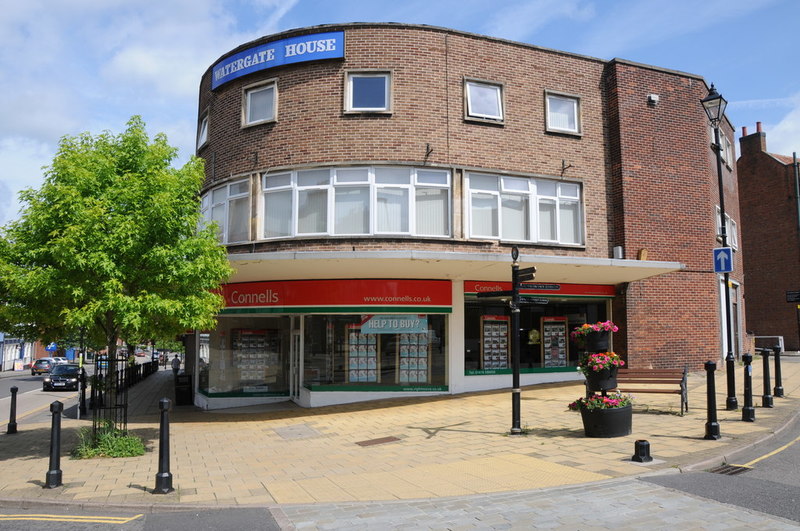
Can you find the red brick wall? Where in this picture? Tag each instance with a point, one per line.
(663, 192)
(770, 237)
(648, 172)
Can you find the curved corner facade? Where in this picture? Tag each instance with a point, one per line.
(370, 181)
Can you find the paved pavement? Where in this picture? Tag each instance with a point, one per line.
(423, 456)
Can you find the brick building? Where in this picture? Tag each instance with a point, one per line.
(369, 180)
(771, 234)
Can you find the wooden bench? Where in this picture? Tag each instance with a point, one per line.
(634, 381)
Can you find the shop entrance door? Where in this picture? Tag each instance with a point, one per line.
(295, 363)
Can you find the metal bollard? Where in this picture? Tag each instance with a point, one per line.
(641, 451)
(778, 390)
(12, 416)
(748, 411)
(163, 478)
(766, 398)
(53, 478)
(712, 426)
(82, 403)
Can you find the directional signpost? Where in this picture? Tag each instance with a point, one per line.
(723, 260)
(517, 276)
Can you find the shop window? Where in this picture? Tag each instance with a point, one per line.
(229, 207)
(260, 103)
(368, 92)
(484, 100)
(357, 201)
(525, 210)
(405, 351)
(563, 113)
(544, 340)
(246, 357)
(202, 131)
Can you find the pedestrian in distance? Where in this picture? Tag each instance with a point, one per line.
(176, 365)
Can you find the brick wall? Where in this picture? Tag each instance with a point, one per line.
(770, 237)
(648, 171)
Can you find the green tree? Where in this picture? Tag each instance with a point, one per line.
(110, 242)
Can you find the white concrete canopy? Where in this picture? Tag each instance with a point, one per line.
(252, 267)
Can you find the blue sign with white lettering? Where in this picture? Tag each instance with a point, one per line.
(395, 324)
(283, 52)
(52, 347)
(723, 260)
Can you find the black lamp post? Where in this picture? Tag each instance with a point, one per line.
(714, 106)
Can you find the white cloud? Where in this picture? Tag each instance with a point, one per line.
(21, 162)
(520, 20)
(784, 137)
(632, 25)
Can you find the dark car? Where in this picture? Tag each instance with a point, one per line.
(64, 377)
(42, 366)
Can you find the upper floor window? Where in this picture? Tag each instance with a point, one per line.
(368, 92)
(202, 131)
(563, 113)
(484, 100)
(357, 201)
(725, 147)
(229, 206)
(731, 230)
(522, 209)
(260, 103)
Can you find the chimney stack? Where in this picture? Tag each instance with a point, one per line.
(752, 144)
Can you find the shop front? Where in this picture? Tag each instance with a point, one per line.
(320, 342)
(549, 311)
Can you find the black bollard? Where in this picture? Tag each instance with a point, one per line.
(778, 391)
(53, 478)
(641, 452)
(748, 411)
(163, 478)
(766, 398)
(82, 403)
(712, 426)
(12, 416)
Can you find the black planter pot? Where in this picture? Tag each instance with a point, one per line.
(597, 341)
(615, 422)
(603, 380)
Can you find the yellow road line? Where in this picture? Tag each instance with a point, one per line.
(70, 518)
(777, 450)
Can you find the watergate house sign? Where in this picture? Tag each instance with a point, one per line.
(276, 53)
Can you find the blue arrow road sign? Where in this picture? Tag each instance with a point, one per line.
(723, 260)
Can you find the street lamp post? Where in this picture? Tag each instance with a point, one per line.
(714, 106)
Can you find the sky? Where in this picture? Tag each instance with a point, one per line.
(74, 66)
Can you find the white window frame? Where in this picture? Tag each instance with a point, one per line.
(731, 229)
(206, 208)
(248, 90)
(534, 198)
(419, 179)
(387, 94)
(202, 131)
(576, 103)
(470, 113)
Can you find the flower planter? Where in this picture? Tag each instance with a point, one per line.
(613, 422)
(597, 341)
(602, 380)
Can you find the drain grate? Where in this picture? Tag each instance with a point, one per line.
(382, 440)
(730, 470)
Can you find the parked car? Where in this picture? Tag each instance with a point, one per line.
(66, 377)
(60, 360)
(42, 366)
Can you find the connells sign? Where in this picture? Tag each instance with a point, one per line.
(276, 53)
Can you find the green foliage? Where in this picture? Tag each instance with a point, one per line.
(109, 442)
(110, 242)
